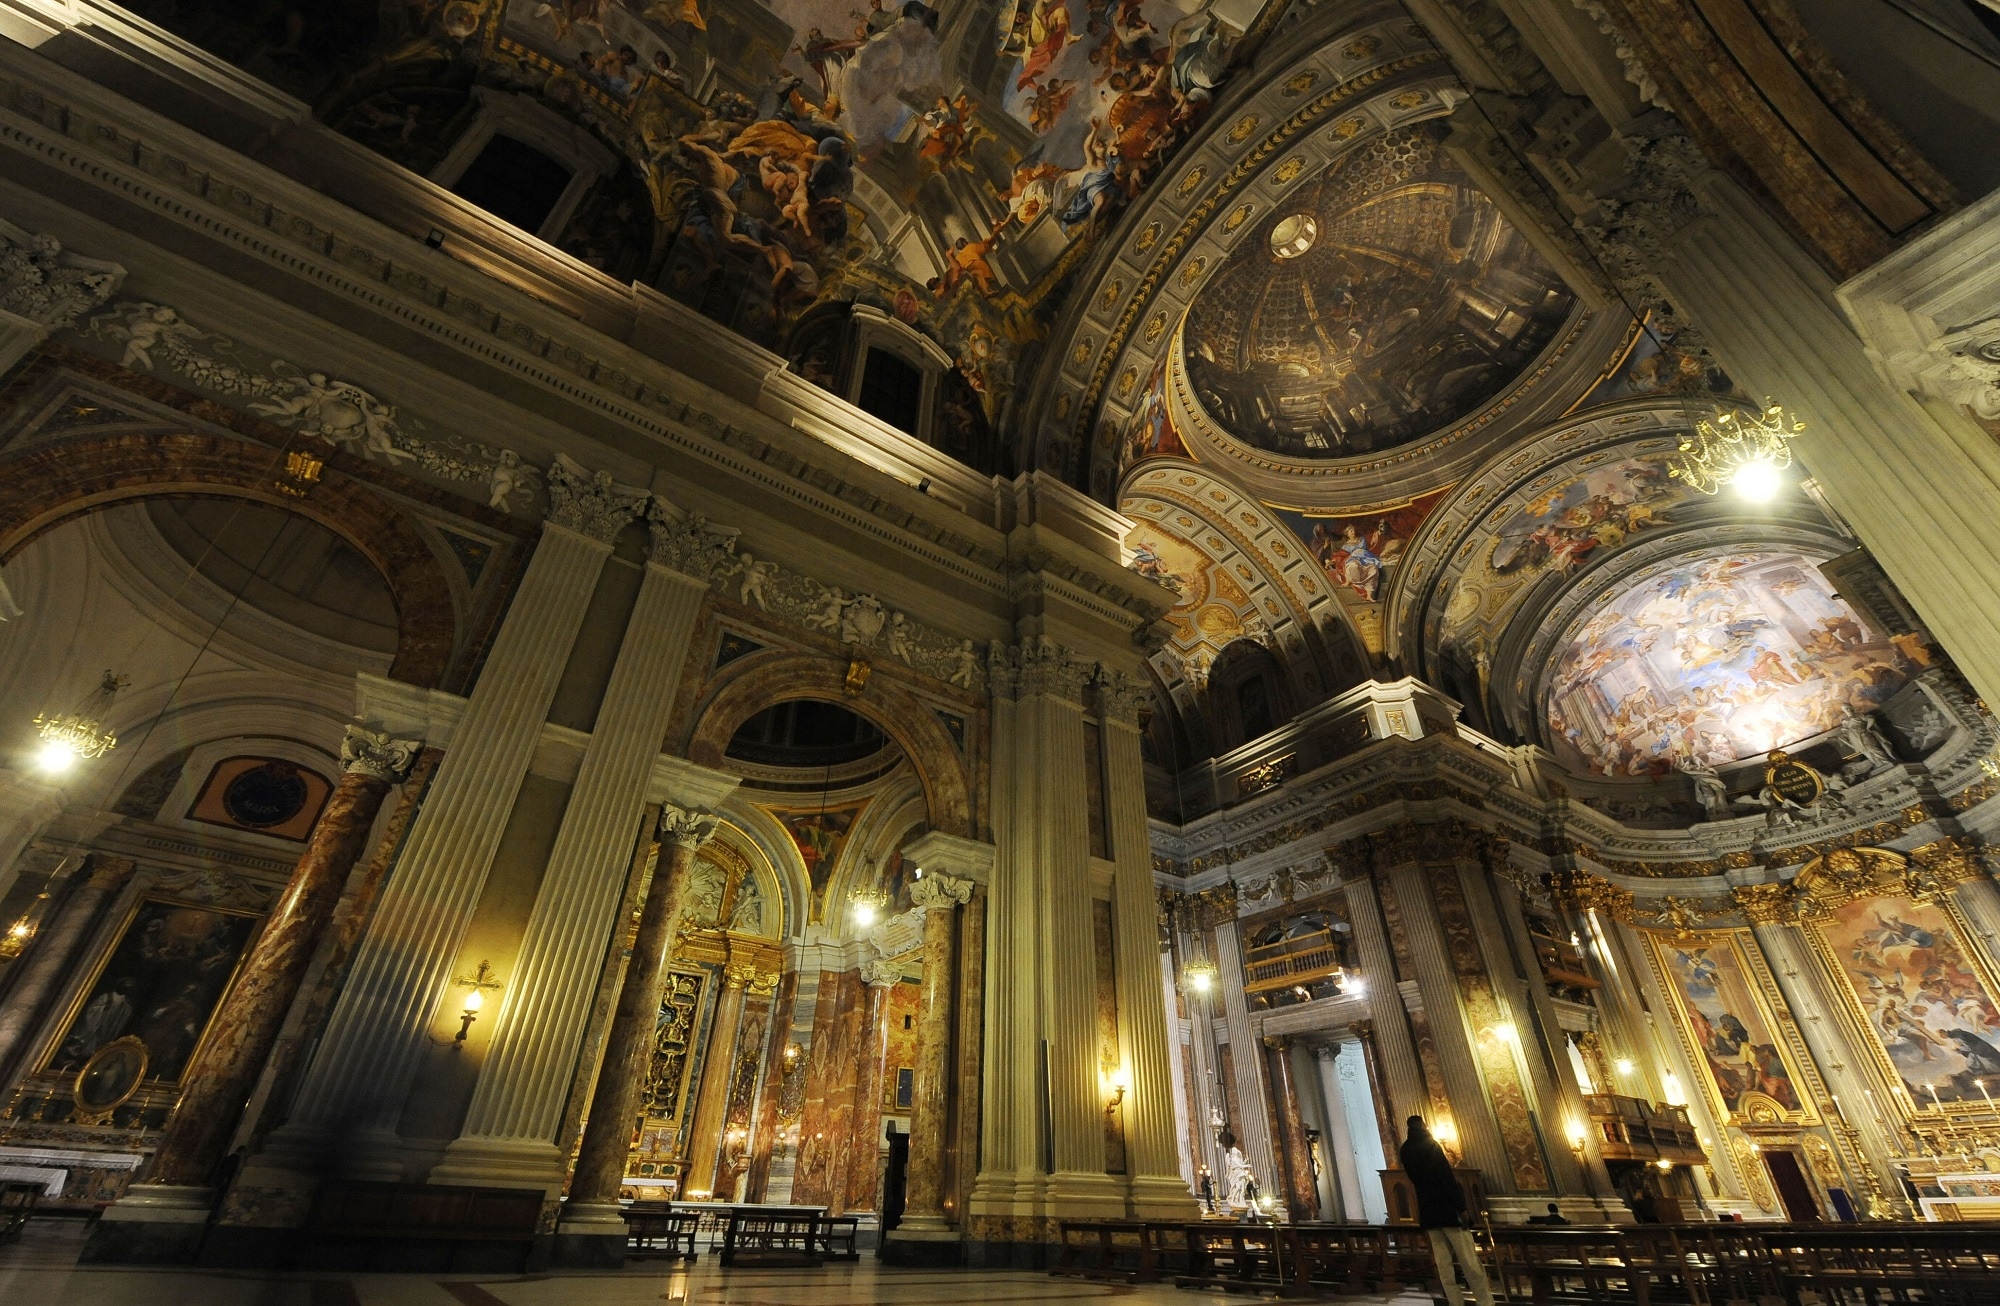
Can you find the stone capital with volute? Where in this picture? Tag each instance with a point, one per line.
(591, 503)
(375, 755)
(880, 972)
(686, 827)
(939, 890)
(947, 854)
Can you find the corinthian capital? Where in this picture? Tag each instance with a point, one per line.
(687, 827)
(1121, 698)
(688, 542)
(376, 755)
(880, 972)
(1049, 668)
(590, 503)
(935, 890)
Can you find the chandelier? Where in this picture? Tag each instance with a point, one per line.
(79, 733)
(1746, 452)
(1200, 976)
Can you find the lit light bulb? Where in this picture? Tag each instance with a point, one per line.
(1121, 1081)
(1664, 1163)
(864, 914)
(1201, 981)
(473, 1002)
(1758, 480)
(1355, 988)
(1625, 1066)
(56, 757)
(1505, 1031)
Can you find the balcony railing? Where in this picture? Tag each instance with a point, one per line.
(1633, 1129)
(1301, 962)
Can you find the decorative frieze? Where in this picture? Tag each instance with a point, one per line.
(591, 503)
(324, 408)
(47, 285)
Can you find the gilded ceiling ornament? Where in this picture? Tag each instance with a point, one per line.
(1126, 380)
(1579, 890)
(1155, 328)
(1348, 128)
(1191, 182)
(1192, 272)
(1109, 295)
(1681, 915)
(1409, 99)
(1300, 83)
(1289, 170)
(1361, 47)
(1063, 402)
(1237, 217)
(1081, 354)
(1765, 904)
(1244, 126)
(1147, 237)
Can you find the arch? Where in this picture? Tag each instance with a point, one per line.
(44, 486)
(749, 685)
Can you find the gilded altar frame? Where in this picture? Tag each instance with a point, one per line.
(1838, 878)
(1754, 1110)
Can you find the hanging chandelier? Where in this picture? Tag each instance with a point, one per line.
(1747, 452)
(79, 734)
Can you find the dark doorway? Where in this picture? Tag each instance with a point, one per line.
(1793, 1189)
(892, 390)
(516, 183)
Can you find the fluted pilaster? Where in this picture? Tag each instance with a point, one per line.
(516, 1110)
(378, 1031)
(1402, 1073)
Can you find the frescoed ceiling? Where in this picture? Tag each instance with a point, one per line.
(1384, 301)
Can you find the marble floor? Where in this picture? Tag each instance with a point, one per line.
(41, 1269)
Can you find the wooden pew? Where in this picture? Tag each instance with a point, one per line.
(657, 1229)
(1233, 1256)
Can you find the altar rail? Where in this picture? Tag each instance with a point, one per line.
(1573, 1265)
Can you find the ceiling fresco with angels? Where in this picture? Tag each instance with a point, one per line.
(949, 164)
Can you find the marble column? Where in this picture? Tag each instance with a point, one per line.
(592, 1210)
(1251, 1120)
(376, 1037)
(864, 1173)
(1402, 1077)
(1201, 1100)
(718, 1065)
(1921, 499)
(240, 1038)
(49, 957)
(1152, 1158)
(1340, 1134)
(940, 896)
(1301, 1194)
(511, 1127)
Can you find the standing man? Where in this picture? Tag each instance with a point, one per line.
(1441, 1214)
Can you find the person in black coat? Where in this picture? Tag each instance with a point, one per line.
(1441, 1215)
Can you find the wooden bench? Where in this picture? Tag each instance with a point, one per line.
(438, 1226)
(838, 1237)
(17, 1204)
(1240, 1257)
(789, 1237)
(1576, 1266)
(1102, 1249)
(657, 1229)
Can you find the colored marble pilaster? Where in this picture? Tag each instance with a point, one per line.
(971, 1027)
(770, 1096)
(812, 1173)
(864, 1175)
(1301, 1193)
(510, 1131)
(1400, 1076)
(48, 959)
(239, 1040)
(379, 1030)
(1152, 1158)
(939, 895)
(614, 1105)
(711, 1103)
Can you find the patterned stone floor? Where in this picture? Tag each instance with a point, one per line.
(41, 1269)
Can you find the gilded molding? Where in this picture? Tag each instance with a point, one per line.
(1577, 890)
(1766, 904)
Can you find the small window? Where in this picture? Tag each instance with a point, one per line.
(514, 182)
(892, 389)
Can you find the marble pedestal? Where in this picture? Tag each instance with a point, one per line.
(153, 1224)
(923, 1248)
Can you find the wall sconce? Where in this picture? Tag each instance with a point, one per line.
(1664, 1164)
(1626, 1065)
(1576, 1137)
(481, 980)
(16, 938)
(791, 1056)
(1121, 1083)
(1505, 1031)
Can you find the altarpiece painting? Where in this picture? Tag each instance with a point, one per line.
(1721, 1004)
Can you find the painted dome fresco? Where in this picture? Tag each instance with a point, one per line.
(1387, 301)
(1709, 660)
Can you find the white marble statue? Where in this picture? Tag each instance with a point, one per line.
(1235, 1177)
(1709, 791)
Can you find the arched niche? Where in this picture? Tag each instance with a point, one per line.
(46, 485)
(749, 685)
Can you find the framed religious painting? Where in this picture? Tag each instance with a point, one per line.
(1922, 993)
(158, 988)
(1725, 1006)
